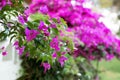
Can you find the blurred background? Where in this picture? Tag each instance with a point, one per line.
(110, 9)
(109, 70)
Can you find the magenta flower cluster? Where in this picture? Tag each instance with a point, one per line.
(55, 44)
(43, 28)
(85, 25)
(4, 52)
(46, 66)
(22, 19)
(18, 48)
(61, 59)
(3, 3)
(30, 34)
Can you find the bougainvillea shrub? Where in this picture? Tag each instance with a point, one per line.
(43, 44)
(98, 40)
(72, 70)
(35, 35)
(39, 32)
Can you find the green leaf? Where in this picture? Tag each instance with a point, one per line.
(55, 20)
(3, 35)
(55, 31)
(39, 16)
(63, 22)
(47, 22)
(70, 43)
(11, 33)
(12, 37)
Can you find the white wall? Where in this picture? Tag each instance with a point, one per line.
(10, 64)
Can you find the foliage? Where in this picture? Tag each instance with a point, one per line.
(35, 35)
(73, 69)
(98, 40)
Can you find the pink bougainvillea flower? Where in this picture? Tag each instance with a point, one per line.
(4, 53)
(31, 34)
(55, 44)
(42, 26)
(27, 54)
(18, 48)
(21, 50)
(46, 33)
(9, 2)
(22, 19)
(2, 3)
(109, 57)
(46, 67)
(32, 8)
(43, 9)
(54, 55)
(16, 44)
(27, 12)
(63, 53)
(62, 60)
(52, 25)
(2, 48)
